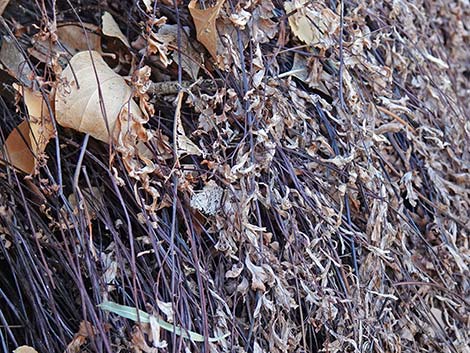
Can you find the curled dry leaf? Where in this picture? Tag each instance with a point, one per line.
(158, 43)
(85, 331)
(29, 139)
(208, 199)
(191, 60)
(204, 20)
(259, 275)
(312, 23)
(184, 146)
(78, 96)
(111, 28)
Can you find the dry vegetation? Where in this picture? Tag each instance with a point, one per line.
(253, 176)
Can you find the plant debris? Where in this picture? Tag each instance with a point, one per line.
(235, 176)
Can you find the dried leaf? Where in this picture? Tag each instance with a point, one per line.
(85, 331)
(18, 149)
(76, 38)
(205, 22)
(191, 59)
(78, 96)
(258, 275)
(25, 349)
(167, 309)
(3, 5)
(184, 146)
(310, 24)
(208, 199)
(154, 333)
(14, 61)
(300, 24)
(138, 341)
(29, 139)
(111, 28)
(40, 120)
(148, 5)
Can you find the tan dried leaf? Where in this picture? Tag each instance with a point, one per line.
(25, 349)
(18, 149)
(205, 22)
(29, 139)
(85, 331)
(3, 5)
(184, 146)
(258, 274)
(78, 37)
(148, 5)
(300, 23)
(311, 23)
(191, 60)
(78, 96)
(139, 344)
(111, 28)
(236, 271)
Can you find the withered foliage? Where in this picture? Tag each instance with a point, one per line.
(295, 174)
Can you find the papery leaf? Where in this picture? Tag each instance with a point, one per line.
(79, 37)
(18, 149)
(184, 145)
(204, 20)
(111, 28)
(78, 96)
(30, 138)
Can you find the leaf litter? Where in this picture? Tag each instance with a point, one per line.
(302, 187)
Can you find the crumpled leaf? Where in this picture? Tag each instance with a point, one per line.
(309, 24)
(158, 43)
(131, 313)
(167, 309)
(191, 60)
(139, 344)
(86, 330)
(111, 28)
(258, 274)
(78, 99)
(205, 22)
(208, 199)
